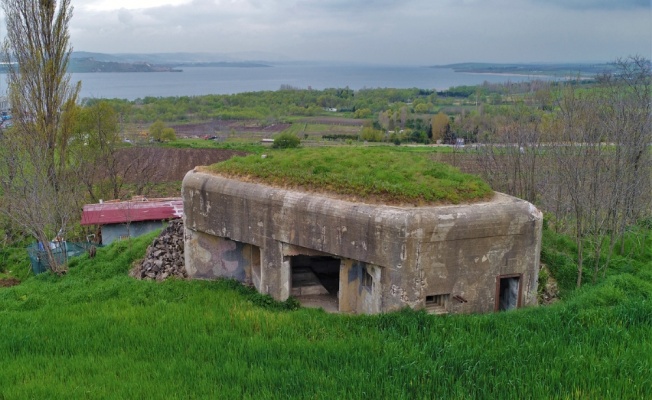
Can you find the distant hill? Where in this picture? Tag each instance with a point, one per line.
(92, 65)
(84, 61)
(185, 58)
(567, 69)
(225, 64)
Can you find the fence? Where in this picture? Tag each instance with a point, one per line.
(61, 251)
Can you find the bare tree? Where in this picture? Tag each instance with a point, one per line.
(143, 168)
(625, 117)
(587, 159)
(579, 156)
(603, 159)
(36, 176)
(510, 152)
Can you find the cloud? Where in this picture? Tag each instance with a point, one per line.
(109, 5)
(381, 31)
(125, 16)
(599, 4)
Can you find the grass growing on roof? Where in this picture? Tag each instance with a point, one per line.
(374, 173)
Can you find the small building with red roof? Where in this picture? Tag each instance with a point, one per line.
(119, 220)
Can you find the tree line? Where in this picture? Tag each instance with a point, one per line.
(587, 160)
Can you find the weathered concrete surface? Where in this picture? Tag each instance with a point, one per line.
(409, 255)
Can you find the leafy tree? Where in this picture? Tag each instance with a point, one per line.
(38, 182)
(371, 135)
(156, 130)
(420, 128)
(417, 136)
(168, 134)
(422, 108)
(160, 132)
(440, 126)
(362, 113)
(98, 143)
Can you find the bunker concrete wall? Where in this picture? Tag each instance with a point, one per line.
(412, 252)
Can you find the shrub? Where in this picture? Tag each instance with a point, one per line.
(372, 135)
(168, 134)
(286, 141)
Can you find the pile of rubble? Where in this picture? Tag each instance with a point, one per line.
(164, 257)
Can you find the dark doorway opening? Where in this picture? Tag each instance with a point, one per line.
(316, 281)
(508, 292)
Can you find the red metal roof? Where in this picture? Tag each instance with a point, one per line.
(132, 211)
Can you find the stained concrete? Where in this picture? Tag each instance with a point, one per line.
(390, 257)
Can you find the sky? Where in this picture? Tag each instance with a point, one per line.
(399, 32)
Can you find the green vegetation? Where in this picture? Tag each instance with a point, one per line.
(401, 115)
(210, 144)
(286, 141)
(192, 144)
(633, 254)
(383, 174)
(14, 262)
(160, 132)
(96, 333)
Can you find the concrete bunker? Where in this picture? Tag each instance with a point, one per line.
(362, 258)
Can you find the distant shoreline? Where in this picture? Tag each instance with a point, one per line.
(556, 71)
(507, 74)
(91, 65)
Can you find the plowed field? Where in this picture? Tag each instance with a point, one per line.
(224, 128)
(156, 164)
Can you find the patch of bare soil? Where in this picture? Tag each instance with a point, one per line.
(333, 121)
(9, 282)
(224, 128)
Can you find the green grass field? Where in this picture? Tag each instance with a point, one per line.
(97, 333)
(382, 174)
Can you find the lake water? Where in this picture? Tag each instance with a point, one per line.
(195, 81)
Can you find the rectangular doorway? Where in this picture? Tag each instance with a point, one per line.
(315, 281)
(508, 292)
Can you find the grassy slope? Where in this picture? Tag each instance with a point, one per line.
(96, 333)
(14, 263)
(378, 173)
